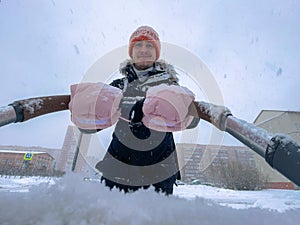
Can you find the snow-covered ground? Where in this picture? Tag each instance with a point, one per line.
(71, 200)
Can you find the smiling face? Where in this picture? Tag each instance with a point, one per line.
(143, 54)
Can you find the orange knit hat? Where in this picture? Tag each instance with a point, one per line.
(145, 33)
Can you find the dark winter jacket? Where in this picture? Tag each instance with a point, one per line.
(138, 156)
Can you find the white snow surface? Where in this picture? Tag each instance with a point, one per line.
(70, 200)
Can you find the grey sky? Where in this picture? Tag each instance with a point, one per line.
(251, 47)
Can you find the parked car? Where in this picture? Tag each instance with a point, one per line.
(196, 182)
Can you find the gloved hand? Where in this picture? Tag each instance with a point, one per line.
(94, 105)
(166, 108)
(136, 125)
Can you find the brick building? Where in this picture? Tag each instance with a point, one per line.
(18, 162)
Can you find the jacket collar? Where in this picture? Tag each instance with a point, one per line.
(159, 65)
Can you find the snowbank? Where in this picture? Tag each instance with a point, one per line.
(74, 201)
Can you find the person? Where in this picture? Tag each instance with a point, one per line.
(148, 105)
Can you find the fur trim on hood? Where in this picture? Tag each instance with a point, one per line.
(160, 65)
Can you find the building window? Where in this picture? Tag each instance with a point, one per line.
(3, 161)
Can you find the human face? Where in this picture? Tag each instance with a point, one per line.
(143, 54)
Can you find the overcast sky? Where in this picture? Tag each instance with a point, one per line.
(251, 47)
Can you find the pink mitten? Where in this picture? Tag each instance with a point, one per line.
(166, 108)
(94, 105)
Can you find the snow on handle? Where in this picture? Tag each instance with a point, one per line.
(252, 136)
(33, 104)
(26, 109)
(220, 116)
(34, 107)
(214, 114)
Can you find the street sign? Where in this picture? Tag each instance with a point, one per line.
(28, 156)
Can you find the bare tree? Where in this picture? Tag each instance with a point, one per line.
(234, 175)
